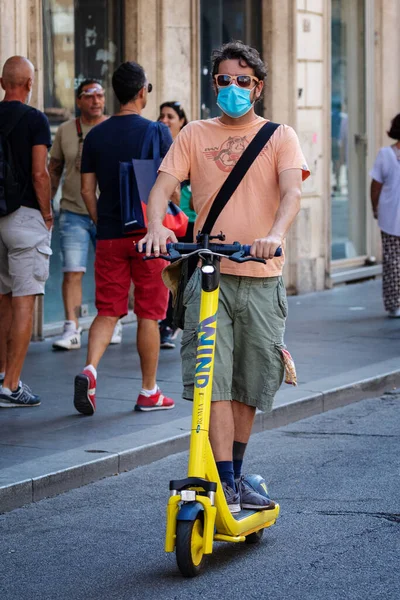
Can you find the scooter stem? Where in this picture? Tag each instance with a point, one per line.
(206, 339)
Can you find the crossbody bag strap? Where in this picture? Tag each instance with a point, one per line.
(79, 129)
(238, 172)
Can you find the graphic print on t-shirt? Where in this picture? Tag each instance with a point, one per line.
(227, 155)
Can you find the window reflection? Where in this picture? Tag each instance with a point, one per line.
(348, 139)
(222, 21)
(81, 39)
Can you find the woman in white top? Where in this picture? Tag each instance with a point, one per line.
(385, 198)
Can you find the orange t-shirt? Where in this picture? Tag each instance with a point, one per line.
(206, 151)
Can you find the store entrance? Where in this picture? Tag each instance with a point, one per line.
(349, 139)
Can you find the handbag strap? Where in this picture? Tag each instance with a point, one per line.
(238, 172)
(151, 142)
(79, 129)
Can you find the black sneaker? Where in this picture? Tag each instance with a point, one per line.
(232, 498)
(166, 334)
(21, 397)
(252, 499)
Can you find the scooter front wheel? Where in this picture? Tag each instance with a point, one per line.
(189, 547)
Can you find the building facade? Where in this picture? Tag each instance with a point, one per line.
(333, 76)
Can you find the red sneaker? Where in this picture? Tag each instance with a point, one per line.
(85, 392)
(156, 401)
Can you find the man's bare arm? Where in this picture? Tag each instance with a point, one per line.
(376, 189)
(88, 192)
(41, 183)
(157, 235)
(290, 193)
(56, 167)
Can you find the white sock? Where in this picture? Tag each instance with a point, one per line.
(70, 326)
(2, 374)
(149, 392)
(6, 391)
(92, 370)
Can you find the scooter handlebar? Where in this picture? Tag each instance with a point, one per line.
(235, 252)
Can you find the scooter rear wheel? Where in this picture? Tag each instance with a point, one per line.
(255, 537)
(189, 547)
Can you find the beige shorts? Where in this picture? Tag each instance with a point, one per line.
(250, 328)
(24, 253)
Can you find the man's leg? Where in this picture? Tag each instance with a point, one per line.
(5, 326)
(222, 430)
(230, 429)
(21, 332)
(148, 345)
(72, 295)
(150, 305)
(112, 276)
(221, 433)
(74, 245)
(100, 334)
(243, 416)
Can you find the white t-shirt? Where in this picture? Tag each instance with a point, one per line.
(386, 170)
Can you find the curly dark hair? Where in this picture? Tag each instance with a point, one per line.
(394, 131)
(127, 81)
(177, 107)
(247, 56)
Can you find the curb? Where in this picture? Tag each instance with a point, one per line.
(25, 492)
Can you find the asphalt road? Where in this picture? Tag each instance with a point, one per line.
(335, 475)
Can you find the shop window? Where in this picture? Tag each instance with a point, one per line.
(348, 129)
(222, 21)
(80, 39)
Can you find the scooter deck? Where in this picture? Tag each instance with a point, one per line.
(243, 514)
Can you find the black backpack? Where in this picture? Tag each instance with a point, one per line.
(11, 188)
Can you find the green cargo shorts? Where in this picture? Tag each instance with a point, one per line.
(250, 328)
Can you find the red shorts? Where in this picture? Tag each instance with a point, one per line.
(117, 264)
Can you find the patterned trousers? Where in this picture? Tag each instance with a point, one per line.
(391, 271)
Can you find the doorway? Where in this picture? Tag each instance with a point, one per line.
(349, 131)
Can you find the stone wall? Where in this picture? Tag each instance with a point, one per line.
(313, 106)
(163, 35)
(21, 34)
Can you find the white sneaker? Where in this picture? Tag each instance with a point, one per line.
(70, 339)
(117, 334)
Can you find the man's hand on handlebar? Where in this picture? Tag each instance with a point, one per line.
(156, 239)
(266, 247)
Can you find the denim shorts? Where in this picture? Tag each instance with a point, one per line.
(24, 253)
(76, 231)
(250, 328)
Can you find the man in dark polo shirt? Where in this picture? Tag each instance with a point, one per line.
(120, 139)
(25, 233)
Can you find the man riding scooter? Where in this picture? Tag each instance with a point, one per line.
(249, 355)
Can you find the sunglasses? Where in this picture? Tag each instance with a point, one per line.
(92, 93)
(243, 81)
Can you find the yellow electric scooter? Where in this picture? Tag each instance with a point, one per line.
(197, 512)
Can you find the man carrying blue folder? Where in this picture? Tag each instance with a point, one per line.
(119, 140)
